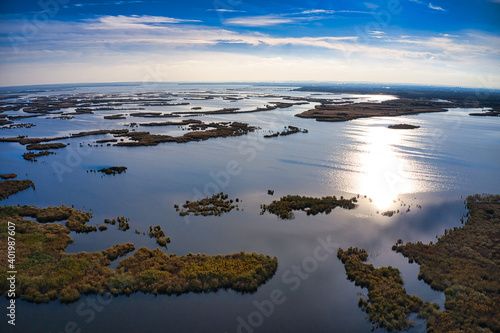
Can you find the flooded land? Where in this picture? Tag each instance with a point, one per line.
(265, 208)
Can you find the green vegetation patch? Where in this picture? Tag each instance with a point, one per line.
(12, 186)
(465, 264)
(33, 157)
(113, 170)
(46, 272)
(216, 205)
(152, 271)
(388, 305)
(287, 131)
(44, 146)
(158, 233)
(8, 176)
(76, 220)
(403, 126)
(283, 207)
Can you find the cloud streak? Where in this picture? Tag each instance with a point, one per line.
(431, 6)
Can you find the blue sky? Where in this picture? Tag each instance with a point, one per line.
(403, 41)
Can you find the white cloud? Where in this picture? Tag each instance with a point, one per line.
(371, 6)
(133, 22)
(431, 6)
(258, 21)
(224, 10)
(317, 11)
(118, 41)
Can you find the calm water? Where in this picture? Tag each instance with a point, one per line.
(436, 166)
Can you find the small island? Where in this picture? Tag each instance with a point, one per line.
(402, 126)
(33, 157)
(391, 108)
(217, 204)
(8, 176)
(490, 113)
(113, 170)
(283, 207)
(44, 146)
(287, 131)
(158, 234)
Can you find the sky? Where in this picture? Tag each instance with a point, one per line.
(438, 42)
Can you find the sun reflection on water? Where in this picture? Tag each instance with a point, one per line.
(382, 175)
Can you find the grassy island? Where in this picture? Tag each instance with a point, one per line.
(287, 131)
(115, 116)
(283, 207)
(152, 271)
(47, 273)
(388, 305)
(402, 126)
(491, 113)
(113, 170)
(76, 220)
(392, 108)
(465, 264)
(158, 233)
(8, 175)
(212, 130)
(12, 186)
(216, 205)
(33, 157)
(44, 146)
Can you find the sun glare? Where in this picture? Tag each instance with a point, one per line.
(382, 176)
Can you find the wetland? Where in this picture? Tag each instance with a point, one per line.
(237, 145)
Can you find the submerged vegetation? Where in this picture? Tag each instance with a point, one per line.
(46, 272)
(216, 205)
(465, 264)
(283, 207)
(12, 186)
